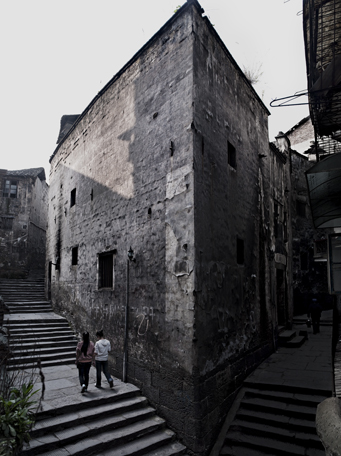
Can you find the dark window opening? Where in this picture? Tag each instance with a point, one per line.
(285, 227)
(304, 261)
(276, 217)
(231, 155)
(10, 189)
(6, 223)
(74, 253)
(105, 270)
(300, 208)
(73, 197)
(240, 251)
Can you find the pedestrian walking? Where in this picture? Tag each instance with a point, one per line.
(102, 348)
(85, 353)
(315, 310)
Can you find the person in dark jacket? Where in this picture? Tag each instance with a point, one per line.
(315, 310)
(102, 348)
(85, 353)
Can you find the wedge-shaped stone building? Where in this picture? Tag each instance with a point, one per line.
(170, 163)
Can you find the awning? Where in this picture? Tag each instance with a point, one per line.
(324, 186)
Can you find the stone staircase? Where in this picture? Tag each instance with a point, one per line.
(111, 425)
(101, 422)
(49, 340)
(25, 295)
(275, 410)
(276, 421)
(35, 331)
(290, 338)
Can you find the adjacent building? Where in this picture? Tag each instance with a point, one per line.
(23, 222)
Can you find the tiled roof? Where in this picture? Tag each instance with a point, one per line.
(31, 172)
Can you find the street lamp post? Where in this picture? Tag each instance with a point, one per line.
(125, 351)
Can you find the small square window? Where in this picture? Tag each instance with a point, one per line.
(300, 208)
(240, 251)
(73, 197)
(304, 261)
(74, 254)
(6, 223)
(231, 155)
(10, 189)
(106, 270)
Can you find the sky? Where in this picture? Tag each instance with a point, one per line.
(57, 55)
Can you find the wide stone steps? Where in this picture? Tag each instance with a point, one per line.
(23, 292)
(101, 422)
(49, 342)
(121, 424)
(274, 422)
(21, 308)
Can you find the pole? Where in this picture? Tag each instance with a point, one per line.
(125, 352)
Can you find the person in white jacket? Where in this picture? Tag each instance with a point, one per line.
(102, 348)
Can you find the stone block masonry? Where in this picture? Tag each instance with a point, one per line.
(165, 160)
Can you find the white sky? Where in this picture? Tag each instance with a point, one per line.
(56, 56)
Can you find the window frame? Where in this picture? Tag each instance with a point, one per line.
(105, 270)
(240, 251)
(74, 256)
(9, 193)
(231, 155)
(73, 197)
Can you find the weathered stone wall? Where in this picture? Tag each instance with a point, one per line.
(21, 247)
(36, 246)
(233, 321)
(301, 135)
(130, 159)
(172, 158)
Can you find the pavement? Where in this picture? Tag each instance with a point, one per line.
(63, 390)
(309, 366)
(61, 383)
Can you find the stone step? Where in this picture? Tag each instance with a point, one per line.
(304, 439)
(37, 324)
(27, 310)
(171, 449)
(67, 420)
(299, 389)
(51, 341)
(133, 442)
(44, 332)
(142, 419)
(311, 400)
(41, 323)
(279, 408)
(59, 406)
(21, 301)
(48, 357)
(148, 446)
(30, 364)
(285, 336)
(26, 297)
(276, 420)
(41, 348)
(296, 342)
(264, 444)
